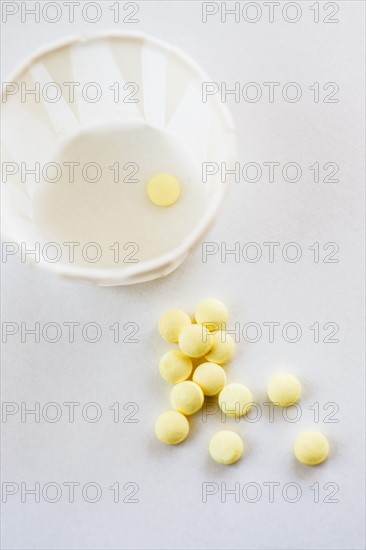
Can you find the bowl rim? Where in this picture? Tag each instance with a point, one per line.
(162, 262)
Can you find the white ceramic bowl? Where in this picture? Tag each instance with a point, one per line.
(121, 107)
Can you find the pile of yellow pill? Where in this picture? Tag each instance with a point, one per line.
(204, 340)
(196, 369)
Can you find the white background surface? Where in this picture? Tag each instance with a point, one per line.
(170, 512)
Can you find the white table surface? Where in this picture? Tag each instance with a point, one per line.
(170, 512)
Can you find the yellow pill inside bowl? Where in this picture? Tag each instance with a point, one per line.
(222, 349)
(163, 189)
(195, 341)
(171, 427)
(284, 389)
(172, 323)
(187, 397)
(175, 367)
(226, 447)
(210, 377)
(311, 448)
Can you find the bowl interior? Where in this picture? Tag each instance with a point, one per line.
(107, 114)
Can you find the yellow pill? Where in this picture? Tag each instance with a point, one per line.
(235, 400)
(172, 323)
(175, 367)
(284, 389)
(171, 427)
(163, 189)
(311, 448)
(222, 349)
(212, 313)
(210, 377)
(226, 447)
(195, 341)
(187, 397)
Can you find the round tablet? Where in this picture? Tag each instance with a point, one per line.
(163, 189)
(187, 397)
(172, 323)
(210, 377)
(235, 400)
(222, 348)
(171, 427)
(175, 367)
(226, 447)
(195, 341)
(211, 313)
(284, 389)
(311, 448)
